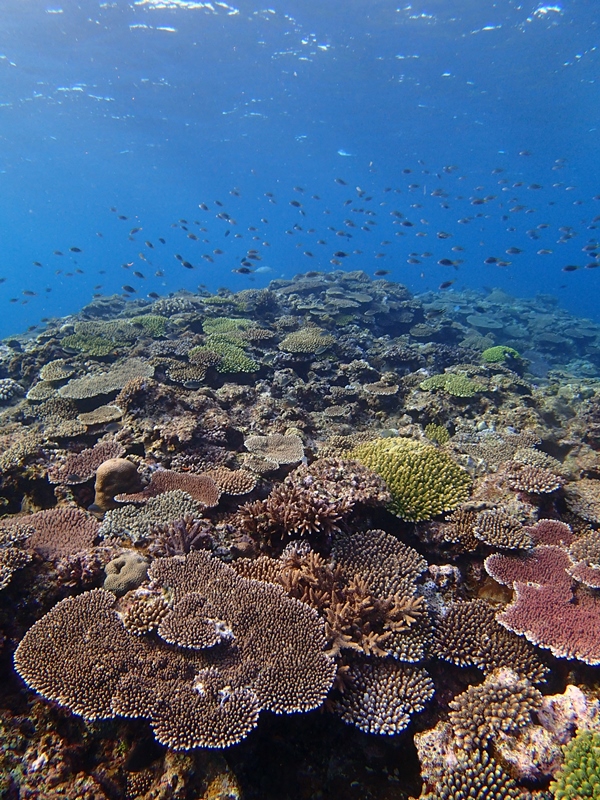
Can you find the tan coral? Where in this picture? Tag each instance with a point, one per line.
(115, 476)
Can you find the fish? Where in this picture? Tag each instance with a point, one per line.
(139, 275)
(37, 264)
(243, 270)
(150, 245)
(381, 272)
(513, 251)
(570, 268)
(153, 295)
(75, 249)
(187, 265)
(128, 288)
(446, 284)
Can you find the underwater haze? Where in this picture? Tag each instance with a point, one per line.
(161, 145)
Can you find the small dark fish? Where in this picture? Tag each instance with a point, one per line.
(75, 249)
(28, 293)
(298, 189)
(525, 153)
(513, 251)
(218, 252)
(381, 272)
(308, 253)
(203, 206)
(413, 261)
(407, 224)
(187, 265)
(446, 262)
(134, 230)
(593, 265)
(139, 275)
(112, 208)
(159, 273)
(122, 216)
(341, 182)
(340, 254)
(161, 240)
(128, 288)
(443, 235)
(570, 268)
(446, 284)
(243, 270)
(295, 203)
(206, 257)
(153, 295)
(150, 245)
(490, 260)
(178, 257)
(544, 252)
(37, 264)
(58, 253)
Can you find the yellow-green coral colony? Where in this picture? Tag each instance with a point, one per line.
(454, 383)
(579, 777)
(423, 480)
(498, 354)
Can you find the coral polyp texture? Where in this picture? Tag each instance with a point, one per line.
(579, 777)
(423, 480)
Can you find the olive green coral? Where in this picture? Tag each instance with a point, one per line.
(455, 383)
(154, 325)
(423, 480)
(437, 433)
(233, 358)
(499, 353)
(579, 777)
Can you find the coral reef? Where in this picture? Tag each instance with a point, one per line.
(325, 494)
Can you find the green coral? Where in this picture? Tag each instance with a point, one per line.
(458, 384)
(226, 324)
(499, 353)
(579, 777)
(154, 325)
(423, 480)
(437, 433)
(93, 345)
(233, 358)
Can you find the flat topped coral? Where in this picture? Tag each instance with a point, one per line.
(498, 354)
(423, 480)
(458, 384)
(227, 648)
(307, 340)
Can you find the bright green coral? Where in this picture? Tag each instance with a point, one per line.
(499, 353)
(93, 345)
(579, 777)
(153, 324)
(437, 433)
(457, 384)
(226, 324)
(233, 358)
(423, 480)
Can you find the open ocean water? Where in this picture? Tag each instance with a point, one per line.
(475, 121)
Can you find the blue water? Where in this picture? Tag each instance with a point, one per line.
(155, 110)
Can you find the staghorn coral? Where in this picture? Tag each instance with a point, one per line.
(423, 480)
(277, 447)
(503, 703)
(380, 695)
(469, 635)
(232, 357)
(201, 488)
(80, 467)
(180, 537)
(579, 777)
